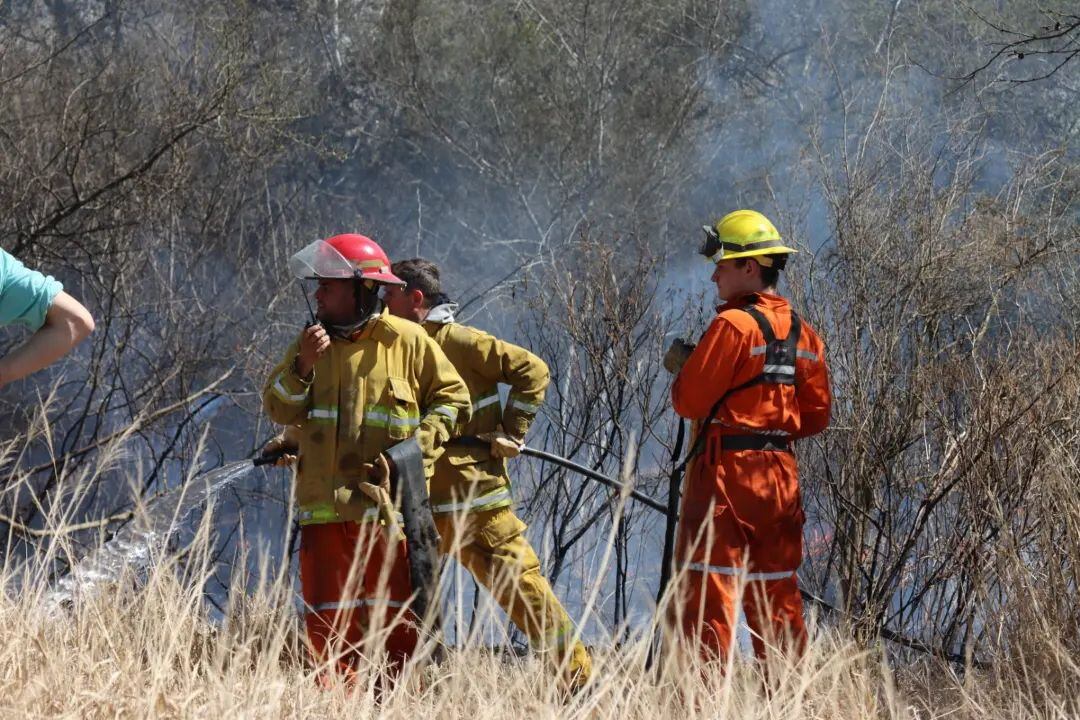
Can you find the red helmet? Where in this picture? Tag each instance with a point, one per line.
(342, 257)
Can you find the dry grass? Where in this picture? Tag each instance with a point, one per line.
(151, 651)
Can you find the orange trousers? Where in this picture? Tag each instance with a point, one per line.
(356, 588)
(741, 525)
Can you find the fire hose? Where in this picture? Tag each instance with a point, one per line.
(670, 512)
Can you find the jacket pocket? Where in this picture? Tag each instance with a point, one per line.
(402, 409)
(466, 454)
(500, 528)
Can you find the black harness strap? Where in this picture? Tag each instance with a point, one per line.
(779, 369)
(765, 443)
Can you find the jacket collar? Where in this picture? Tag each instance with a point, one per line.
(377, 328)
(442, 314)
(762, 299)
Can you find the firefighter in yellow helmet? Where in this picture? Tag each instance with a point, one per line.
(470, 491)
(755, 383)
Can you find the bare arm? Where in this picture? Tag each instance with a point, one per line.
(67, 323)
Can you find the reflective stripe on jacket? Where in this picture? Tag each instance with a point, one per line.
(732, 352)
(469, 478)
(388, 383)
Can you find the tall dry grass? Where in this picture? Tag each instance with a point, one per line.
(149, 649)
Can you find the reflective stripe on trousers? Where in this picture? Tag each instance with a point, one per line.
(738, 572)
(353, 604)
(324, 514)
(484, 502)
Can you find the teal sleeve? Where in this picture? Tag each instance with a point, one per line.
(25, 294)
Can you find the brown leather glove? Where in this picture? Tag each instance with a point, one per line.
(379, 474)
(288, 441)
(379, 493)
(676, 355)
(502, 445)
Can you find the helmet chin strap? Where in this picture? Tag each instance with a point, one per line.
(368, 302)
(368, 306)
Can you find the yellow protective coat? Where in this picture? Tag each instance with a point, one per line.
(467, 473)
(470, 491)
(389, 382)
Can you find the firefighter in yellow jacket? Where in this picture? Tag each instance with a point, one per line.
(350, 388)
(470, 491)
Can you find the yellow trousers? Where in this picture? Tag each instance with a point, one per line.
(491, 544)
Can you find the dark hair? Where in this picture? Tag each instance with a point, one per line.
(770, 276)
(420, 274)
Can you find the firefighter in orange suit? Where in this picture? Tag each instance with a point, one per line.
(756, 382)
(470, 491)
(349, 388)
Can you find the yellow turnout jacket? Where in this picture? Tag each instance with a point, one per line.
(388, 382)
(468, 477)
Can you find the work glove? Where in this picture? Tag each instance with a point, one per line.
(379, 492)
(286, 442)
(378, 473)
(677, 354)
(502, 445)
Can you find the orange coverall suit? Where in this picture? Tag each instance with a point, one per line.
(741, 515)
(389, 382)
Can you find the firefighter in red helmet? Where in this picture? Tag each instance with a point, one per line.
(349, 388)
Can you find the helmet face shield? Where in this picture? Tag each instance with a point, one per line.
(320, 259)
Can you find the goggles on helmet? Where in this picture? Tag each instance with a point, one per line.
(713, 248)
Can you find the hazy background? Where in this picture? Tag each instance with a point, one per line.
(557, 159)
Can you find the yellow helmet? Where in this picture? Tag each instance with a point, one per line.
(741, 234)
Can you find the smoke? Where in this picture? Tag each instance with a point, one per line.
(488, 144)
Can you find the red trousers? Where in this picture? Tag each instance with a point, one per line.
(356, 587)
(741, 524)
